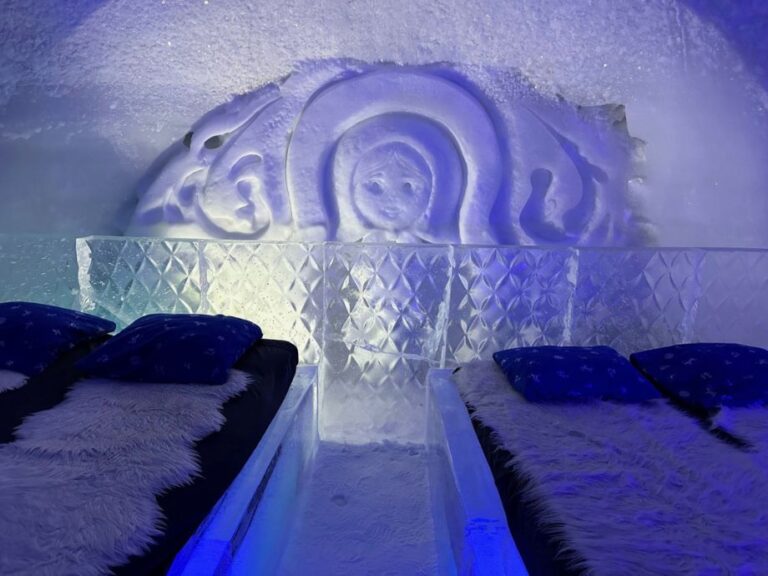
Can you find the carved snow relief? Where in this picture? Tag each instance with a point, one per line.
(341, 150)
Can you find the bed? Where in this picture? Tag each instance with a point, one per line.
(120, 474)
(271, 364)
(39, 346)
(614, 487)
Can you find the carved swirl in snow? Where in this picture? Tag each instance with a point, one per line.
(342, 150)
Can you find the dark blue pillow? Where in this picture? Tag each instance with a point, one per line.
(173, 348)
(32, 335)
(573, 374)
(708, 375)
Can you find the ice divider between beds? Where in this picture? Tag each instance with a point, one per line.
(246, 531)
(471, 526)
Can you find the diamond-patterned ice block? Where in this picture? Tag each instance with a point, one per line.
(278, 286)
(634, 300)
(370, 396)
(126, 278)
(387, 298)
(733, 306)
(503, 297)
(39, 269)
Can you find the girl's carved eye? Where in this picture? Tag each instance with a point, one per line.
(213, 142)
(187, 139)
(407, 188)
(374, 188)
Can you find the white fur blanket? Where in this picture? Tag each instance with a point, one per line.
(10, 380)
(78, 487)
(749, 424)
(631, 489)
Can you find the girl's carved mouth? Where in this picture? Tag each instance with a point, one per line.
(390, 213)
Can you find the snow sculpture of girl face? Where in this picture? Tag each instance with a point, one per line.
(391, 186)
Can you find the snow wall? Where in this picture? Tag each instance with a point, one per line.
(93, 93)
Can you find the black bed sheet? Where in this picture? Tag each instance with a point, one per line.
(272, 365)
(543, 554)
(44, 390)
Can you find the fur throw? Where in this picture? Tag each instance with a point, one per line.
(10, 380)
(629, 488)
(78, 487)
(748, 424)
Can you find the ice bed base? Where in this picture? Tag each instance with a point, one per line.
(246, 531)
(473, 534)
(544, 554)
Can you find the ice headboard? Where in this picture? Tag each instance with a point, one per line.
(377, 317)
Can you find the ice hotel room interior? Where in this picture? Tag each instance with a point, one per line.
(402, 287)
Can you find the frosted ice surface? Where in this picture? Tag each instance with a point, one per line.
(383, 328)
(124, 279)
(39, 269)
(473, 533)
(505, 296)
(732, 301)
(366, 512)
(342, 150)
(651, 302)
(278, 286)
(386, 298)
(368, 397)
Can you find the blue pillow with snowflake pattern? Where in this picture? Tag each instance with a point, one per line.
(173, 349)
(33, 335)
(573, 374)
(708, 375)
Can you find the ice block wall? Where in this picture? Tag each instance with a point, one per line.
(39, 269)
(378, 317)
(93, 92)
(279, 286)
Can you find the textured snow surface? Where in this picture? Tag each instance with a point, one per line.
(91, 94)
(366, 511)
(343, 150)
(632, 489)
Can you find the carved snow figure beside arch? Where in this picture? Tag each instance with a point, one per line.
(341, 150)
